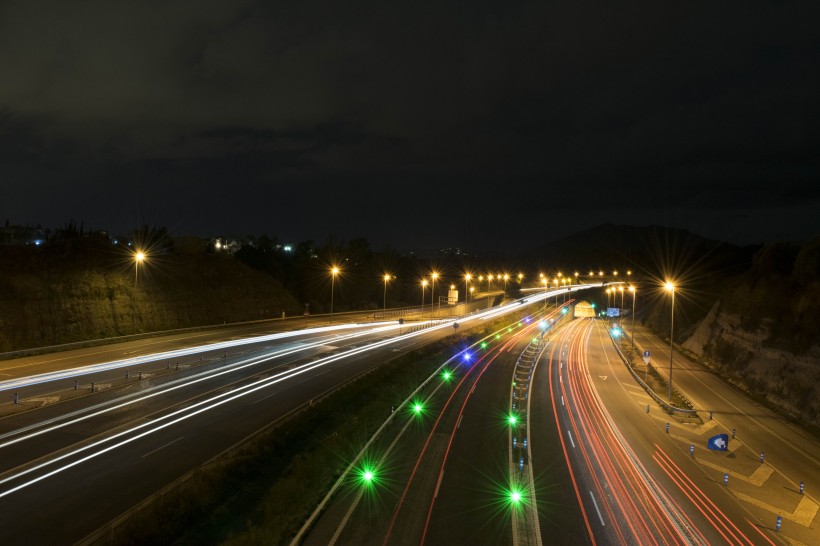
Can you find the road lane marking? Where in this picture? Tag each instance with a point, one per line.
(265, 398)
(163, 447)
(459, 420)
(600, 517)
(562, 400)
(570, 438)
(440, 476)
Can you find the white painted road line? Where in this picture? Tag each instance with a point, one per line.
(600, 517)
(162, 447)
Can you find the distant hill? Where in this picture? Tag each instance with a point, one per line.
(649, 250)
(654, 254)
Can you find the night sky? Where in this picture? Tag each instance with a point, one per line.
(485, 125)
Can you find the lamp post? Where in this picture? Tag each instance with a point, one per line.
(621, 290)
(467, 278)
(423, 286)
(557, 284)
(386, 277)
(632, 289)
(489, 280)
(139, 257)
(506, 278)
(433, 276)
(545, 283)
(670, 287)
(333, 272)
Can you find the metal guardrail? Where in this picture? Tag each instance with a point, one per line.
(663, 403)
(34, 351)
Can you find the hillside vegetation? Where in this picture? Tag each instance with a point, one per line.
(764, 334)
(81, 289)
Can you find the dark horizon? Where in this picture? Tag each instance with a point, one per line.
(499, 127)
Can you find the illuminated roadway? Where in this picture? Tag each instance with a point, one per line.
(606, 469)
(105, 452)
(448, 479)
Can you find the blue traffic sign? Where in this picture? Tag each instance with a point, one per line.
(719, 442)
(646, 353)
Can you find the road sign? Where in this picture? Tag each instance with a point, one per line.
(719, 442)
(646, 353)
(646, 357)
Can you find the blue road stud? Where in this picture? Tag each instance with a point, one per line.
(761, 457)
(667, 428)
(692, 450)
(710, 415)
(802, 487)
(521, 464)
(515, 441)
(525, 447)
(779, 522)
(726, 479)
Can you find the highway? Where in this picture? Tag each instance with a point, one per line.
(447, 476)
(640, 483)
(106, 451)
(605, 469)
(599, 465)
(764, 489)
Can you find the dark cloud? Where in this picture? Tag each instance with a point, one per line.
(444, 124)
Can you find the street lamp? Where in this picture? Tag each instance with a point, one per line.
(632, 289)
(506, 278)
(545, 283)
(333, 272)
(433, 276)
(386, 277)
(467, 278)
(556, 291)
(423, 286)
(621, 290)
(489, 280)
(670, 287)
(139, 257)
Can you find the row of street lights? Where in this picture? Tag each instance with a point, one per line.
(468, 290)
(669, 287)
